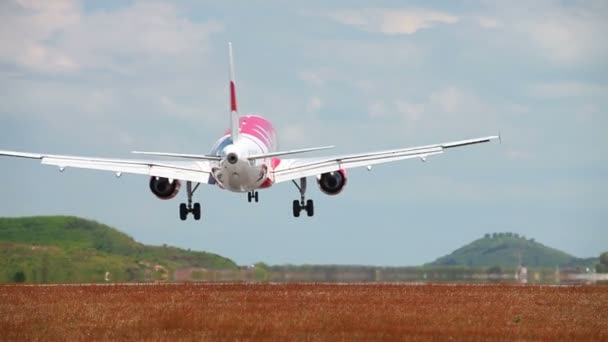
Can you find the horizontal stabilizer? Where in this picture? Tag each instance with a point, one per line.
(178, 155)
(283, 153)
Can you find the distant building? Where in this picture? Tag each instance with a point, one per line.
(521, 274)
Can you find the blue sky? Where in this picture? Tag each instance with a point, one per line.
(105, 78)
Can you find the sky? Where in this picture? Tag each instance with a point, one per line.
(106, 78)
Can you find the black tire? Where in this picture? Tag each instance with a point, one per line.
(255, 196)
(296, 208)
(310, 208)
(183, 212)
(249, 197)
(197, 211)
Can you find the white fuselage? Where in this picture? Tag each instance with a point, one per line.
(236, 172)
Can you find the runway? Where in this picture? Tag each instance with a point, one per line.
(303, 311)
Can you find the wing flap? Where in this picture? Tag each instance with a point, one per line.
(187, 171)
(292, 169)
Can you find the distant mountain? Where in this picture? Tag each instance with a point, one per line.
(70, 249)
(509, 249)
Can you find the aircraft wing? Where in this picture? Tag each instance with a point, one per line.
(195, 171)
(290, 169)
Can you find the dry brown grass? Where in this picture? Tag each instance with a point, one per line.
(303, 312)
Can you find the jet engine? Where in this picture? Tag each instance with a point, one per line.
(332, 183)
(163, 188)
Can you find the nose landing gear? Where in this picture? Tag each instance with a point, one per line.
(252, 195)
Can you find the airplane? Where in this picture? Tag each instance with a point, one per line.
(244, 159)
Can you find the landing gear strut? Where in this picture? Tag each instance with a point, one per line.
(252, 195)
(302, 204)
(185, 209)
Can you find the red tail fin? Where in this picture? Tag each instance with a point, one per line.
(234, 115)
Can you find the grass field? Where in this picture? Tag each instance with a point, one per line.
(303, 312)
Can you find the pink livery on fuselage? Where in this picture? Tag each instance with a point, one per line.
(237, 171)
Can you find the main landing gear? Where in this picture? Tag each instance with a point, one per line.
(252, 195)
(302, 204)
(185, 209)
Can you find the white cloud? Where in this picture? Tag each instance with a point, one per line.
(313, 78)
(588, 113)
(177, 109)
(454, 100)
(489, 22)
(64, 65)
(563, 33)
(445, 111)
(393, 21)
(314, 104)
(26, 27)
(412, 112)
(294, 135)
(565, 39)
(444, 102)
(97, 102)
(59, 36)
(364, 86)
(516, 154)
(352, 57)
(568, 89)
(377, 110)
(518, 109)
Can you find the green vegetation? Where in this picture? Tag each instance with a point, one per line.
(261, 273)
(509, 249)
(62, 249)
(69, 249)
(602, 267)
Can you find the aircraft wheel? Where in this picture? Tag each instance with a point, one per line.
(310, 208)
(197, 211)
(296, 208)
(183, 211)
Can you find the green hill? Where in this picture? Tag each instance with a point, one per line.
(70, 249)
(509, 249)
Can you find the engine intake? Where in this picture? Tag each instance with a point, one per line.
(163, 188)
(332, 183)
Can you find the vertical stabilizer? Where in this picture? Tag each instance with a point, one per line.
(234, 114)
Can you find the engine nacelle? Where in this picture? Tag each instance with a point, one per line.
(163, 188)
(332, 183)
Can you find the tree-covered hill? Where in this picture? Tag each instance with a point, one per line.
(510, 249)
(71, 249)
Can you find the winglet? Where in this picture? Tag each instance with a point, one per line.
(234, 115)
